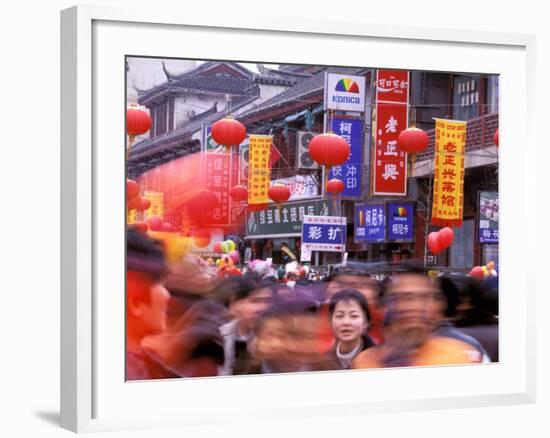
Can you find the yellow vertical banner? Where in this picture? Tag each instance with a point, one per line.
(448, 190)
(157, 204)
(259, 173)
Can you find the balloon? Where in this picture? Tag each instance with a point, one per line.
(225, 247)
(477, 273)
(155, 223)
(166, 226)
(491, 265)
(218, 247)
(218, 262)
(235, 256)
(433, 243)
(231, 245)
(445, 237)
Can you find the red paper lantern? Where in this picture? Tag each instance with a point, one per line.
(137, 121)
(155, 223)
(141, 226)
(445, 237)
(257, 207)
(134, 203)
(239, 193)
(202, 203)
(279, 193)
(329, 149)
(477, 273)
(132, 189)
(335, 186)
(145, 204)
(413, 140)
(433, 243)
(228, 132)
(495, 137)
(201, 238)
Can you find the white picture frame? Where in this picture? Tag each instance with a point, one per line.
(93, 396)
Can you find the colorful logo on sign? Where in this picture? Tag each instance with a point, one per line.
(400, 212)
(361, 218)
(347, 85)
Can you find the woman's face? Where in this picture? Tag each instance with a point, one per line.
(348, 321)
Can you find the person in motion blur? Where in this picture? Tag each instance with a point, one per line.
(411, 301)
(350, 317)
(286, 339)
(146, 304)
(249, 298)
(445, 314)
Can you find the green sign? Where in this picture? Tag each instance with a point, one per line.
(284, 220)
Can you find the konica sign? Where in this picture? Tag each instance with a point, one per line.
(344, 92)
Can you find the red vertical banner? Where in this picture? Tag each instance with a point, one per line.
(390, 164)
(217, 169)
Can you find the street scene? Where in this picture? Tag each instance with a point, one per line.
(287, 218)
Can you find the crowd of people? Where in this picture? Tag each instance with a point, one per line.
(184, 320)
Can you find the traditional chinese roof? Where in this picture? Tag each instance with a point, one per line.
(208, 78)
(177, 138)
(278, 77)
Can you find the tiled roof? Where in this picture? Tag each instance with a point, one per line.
(195, 80)
(184, 133)
(304, 88)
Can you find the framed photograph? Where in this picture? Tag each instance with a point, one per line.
(109, 61)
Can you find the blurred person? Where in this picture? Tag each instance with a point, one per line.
(350, 318)
(480, 319)
(411, 301)
(188, 282)
(193, 347)
(249, 300)
(287, 255)
(445, 313)
(286, 339)
(146, 304)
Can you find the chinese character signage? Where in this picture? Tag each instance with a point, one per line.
(400, 222)
(258, 168)
(301, 186)
(390, 164)
(352, 170)
(217, 180)
(488, 217)
(284, 220)
(157, 204)
(392, 86)
(370, 223)
(448, 193)
(324, 233)
(344, 92)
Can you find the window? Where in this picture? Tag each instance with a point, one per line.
(492, 94)
(465, 97)
(462, 249)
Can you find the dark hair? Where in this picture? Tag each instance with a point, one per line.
(280, 309)
(144, 254)
(349, 295)
(451, 293)
(239, 288)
